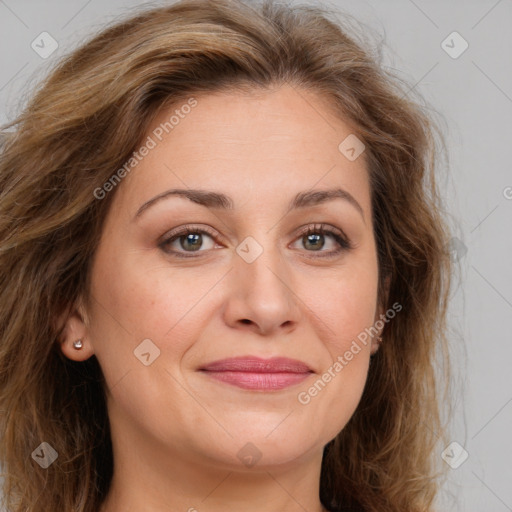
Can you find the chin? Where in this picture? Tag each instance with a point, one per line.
(258, 448)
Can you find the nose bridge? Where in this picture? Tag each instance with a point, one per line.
(264, 291)
(260, 263)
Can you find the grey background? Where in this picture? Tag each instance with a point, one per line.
(472, 96)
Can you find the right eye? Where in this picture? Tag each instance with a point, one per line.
(187, 239)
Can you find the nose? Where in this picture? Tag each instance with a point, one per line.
(261, 297)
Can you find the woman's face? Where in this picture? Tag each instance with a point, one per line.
(190, 279)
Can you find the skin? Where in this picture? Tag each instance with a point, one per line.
(176, 432)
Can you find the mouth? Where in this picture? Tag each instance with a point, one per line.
(255, 373)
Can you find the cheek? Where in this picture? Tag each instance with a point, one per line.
(349, 314)
(347, 309)
(136, 301)
(346, 305)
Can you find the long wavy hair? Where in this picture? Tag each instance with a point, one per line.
(84, 122)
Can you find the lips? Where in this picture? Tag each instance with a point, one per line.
(258, 374)
(258, 365)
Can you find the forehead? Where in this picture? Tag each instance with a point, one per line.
(263, 144)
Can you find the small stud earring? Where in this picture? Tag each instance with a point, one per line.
(78, 344)
(379, 341)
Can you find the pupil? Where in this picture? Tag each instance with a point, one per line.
(193, 238)
(315, 238)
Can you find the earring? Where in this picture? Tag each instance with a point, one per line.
(78, 344)
(379, 341)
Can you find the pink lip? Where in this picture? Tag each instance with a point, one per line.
(258, 374)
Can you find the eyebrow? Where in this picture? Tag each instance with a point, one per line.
(218, 200)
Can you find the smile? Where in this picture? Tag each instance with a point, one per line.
(258, 374)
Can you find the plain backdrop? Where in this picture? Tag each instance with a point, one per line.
(466, 80)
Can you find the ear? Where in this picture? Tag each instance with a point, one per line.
(380, 313)
(76, 327)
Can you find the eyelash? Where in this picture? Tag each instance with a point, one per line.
(343, 242)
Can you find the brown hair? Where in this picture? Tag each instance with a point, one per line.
(85, 121)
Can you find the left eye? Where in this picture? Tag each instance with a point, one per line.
(191, 240)
(314, 236)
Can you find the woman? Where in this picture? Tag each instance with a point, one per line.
(213, 217)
